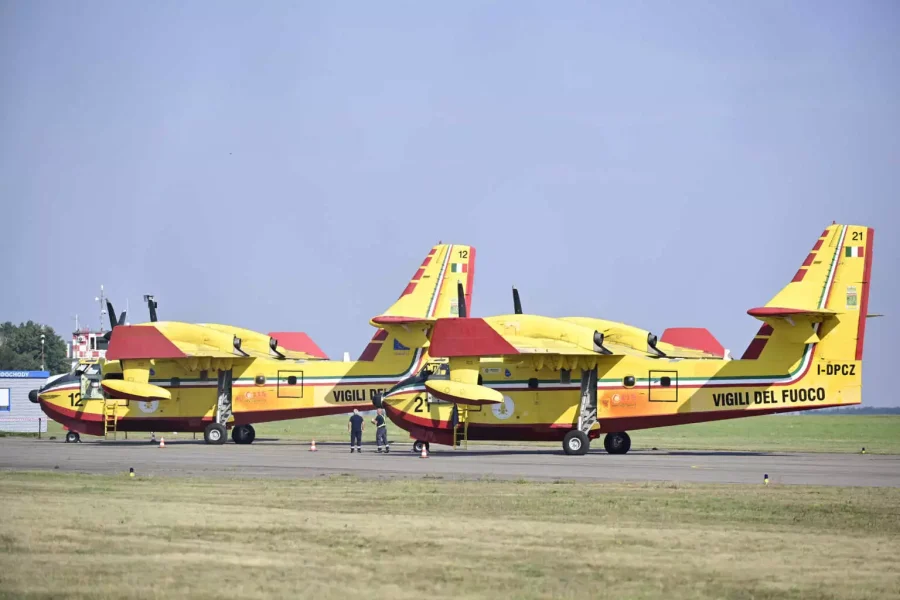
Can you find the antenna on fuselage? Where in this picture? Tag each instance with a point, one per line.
(101, 300)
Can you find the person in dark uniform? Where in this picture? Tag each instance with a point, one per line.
(381, 430)
(355, 427)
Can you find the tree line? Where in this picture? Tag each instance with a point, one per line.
(20, 348)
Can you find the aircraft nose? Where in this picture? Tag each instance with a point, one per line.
(33, 396)
(377, 401)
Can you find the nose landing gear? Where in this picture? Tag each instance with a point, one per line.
(72, 437)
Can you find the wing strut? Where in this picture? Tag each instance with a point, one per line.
(587, 414)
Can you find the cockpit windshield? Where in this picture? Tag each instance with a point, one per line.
(429, 371)
(434, 371)
(87, 369)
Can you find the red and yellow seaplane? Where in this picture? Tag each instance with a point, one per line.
(533, 378)
(172, 376)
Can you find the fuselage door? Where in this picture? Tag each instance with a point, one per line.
(663, 386)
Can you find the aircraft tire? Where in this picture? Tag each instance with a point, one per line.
(617, 443)
(215, 434)
(417, 446)
(576, 443)
(243, 434)
(72, 437)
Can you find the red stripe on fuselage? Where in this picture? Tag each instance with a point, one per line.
(470, 280)
(864, 301)
(754, 349)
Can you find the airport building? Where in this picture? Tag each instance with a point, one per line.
(17, 412)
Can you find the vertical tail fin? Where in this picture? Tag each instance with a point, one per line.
(826, 301)
(430, 294)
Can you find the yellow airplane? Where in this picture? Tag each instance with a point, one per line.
(171, 376)
(532, 378)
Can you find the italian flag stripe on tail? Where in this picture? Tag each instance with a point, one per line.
(459, 267)
(853, 251)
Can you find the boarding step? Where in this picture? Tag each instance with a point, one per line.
(110, 418)
(461, 427)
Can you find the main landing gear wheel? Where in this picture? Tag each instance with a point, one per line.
(576, 443)
(243, 434)
(215, 434)
(72, 437)
(417, 446)
(617, 443)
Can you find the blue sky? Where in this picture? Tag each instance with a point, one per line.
(287, 165)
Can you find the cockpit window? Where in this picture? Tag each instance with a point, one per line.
(433, 371)
(88, 369)
(429, 371)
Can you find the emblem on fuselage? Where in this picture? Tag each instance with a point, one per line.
(505, 410)
(148, 406)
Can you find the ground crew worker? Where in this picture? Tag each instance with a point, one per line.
(355, 426)
(381, 430)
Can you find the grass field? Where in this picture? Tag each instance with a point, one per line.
(826, 433)
(90, 536)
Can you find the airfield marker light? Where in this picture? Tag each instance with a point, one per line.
(312, 446)
(766, 479)
(863, 450)
(131, 472)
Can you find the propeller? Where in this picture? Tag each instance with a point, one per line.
(113, 322)
(461, 299)
(517, 303)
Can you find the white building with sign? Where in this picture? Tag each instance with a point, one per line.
(17, 412)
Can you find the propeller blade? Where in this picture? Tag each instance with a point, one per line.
(517, 303)
(461, 299)
(111, 312)
(122, 318)
(151, 304)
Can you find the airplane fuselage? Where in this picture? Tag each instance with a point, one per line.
(632, 393)
(262, 390)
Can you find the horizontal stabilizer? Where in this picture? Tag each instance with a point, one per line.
(463, 393)
(697, 338)
(133, 390)
(764, 312)
(398, 320)
(297, 341)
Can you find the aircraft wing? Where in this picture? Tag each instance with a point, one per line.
(172, 340)
(517, 335)
(543, 345)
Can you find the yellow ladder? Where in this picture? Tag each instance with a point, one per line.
(110, 417)
(461, 431)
